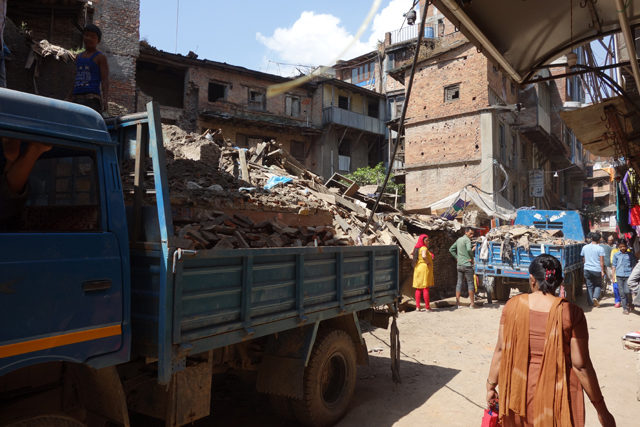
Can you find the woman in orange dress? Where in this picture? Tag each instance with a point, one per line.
(541, 362)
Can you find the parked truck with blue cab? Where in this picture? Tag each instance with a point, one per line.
(101, 314)
(513, 271)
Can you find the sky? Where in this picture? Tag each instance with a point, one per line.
(267, 35)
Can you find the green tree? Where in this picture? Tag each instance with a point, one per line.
(375, 175)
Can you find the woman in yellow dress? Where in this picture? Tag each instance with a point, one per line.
(423, 271)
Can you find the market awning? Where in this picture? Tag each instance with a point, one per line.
(606, 129)
(521, 35)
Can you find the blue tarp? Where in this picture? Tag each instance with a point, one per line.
(276, 180)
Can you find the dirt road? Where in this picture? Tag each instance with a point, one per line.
(446, 357)
(445, 360)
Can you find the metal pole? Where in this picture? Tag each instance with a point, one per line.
(628, 41)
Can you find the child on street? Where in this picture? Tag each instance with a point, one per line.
(623, 263)
(423, 271)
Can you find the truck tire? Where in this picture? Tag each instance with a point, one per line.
(329, 380)
(570, 287)
(48, 421)
(501, 289)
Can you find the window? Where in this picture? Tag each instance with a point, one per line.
(217, 92)
(61, 194)
(373, 109)
(344, 156)
(452, 93)
(514, 149)
(363, 72)
(297, 150)
(395, 107)
(292, 106)
(503, 144)
(256, 99)
(343, 102)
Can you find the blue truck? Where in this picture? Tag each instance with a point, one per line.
(513, 271)
(103, 315)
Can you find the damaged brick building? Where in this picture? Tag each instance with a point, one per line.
(34, 67)
(464, 124)
(327, 124)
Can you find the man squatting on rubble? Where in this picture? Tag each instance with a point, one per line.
(463, 253)
(594, 269)
(91, 82)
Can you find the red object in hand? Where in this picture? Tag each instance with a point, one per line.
(490, 418)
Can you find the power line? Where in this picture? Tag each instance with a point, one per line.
(177, 20)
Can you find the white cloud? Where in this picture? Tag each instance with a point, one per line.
(317, 39)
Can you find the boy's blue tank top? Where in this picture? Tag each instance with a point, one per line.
(87, 75)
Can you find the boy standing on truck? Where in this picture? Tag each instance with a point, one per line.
(594, 269)
(463, 253)
(91, 83)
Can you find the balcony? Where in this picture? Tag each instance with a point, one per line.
(410, 32)
(352, 120)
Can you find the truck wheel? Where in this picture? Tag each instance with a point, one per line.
(48, 421)
(502, 290)
(329, 380)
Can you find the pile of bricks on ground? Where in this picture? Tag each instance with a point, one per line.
(210, 180)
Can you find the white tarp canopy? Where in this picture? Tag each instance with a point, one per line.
(493, 205)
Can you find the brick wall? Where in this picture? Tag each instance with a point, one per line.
(119, 21)
(463, 66)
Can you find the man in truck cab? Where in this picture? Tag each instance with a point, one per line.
(15, 173)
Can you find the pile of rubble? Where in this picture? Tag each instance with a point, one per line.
(215, 187)
(525, 236)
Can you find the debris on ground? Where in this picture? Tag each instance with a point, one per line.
(217, 187)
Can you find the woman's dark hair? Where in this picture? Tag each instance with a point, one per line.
(547, 271)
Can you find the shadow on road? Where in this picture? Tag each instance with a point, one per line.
(236, 403)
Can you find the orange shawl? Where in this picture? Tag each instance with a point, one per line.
(551, 398)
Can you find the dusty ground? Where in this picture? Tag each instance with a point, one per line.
(445, 360)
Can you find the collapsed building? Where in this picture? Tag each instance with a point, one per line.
(328, 125)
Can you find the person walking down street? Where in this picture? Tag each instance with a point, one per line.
(91, 85)
(541, 362)
(623, 262)
(463, 253)
(634, 284)
(608, 247)
(594, 269)
(423, 271)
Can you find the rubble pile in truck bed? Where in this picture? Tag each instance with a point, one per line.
(525, 236)
(219, 200)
